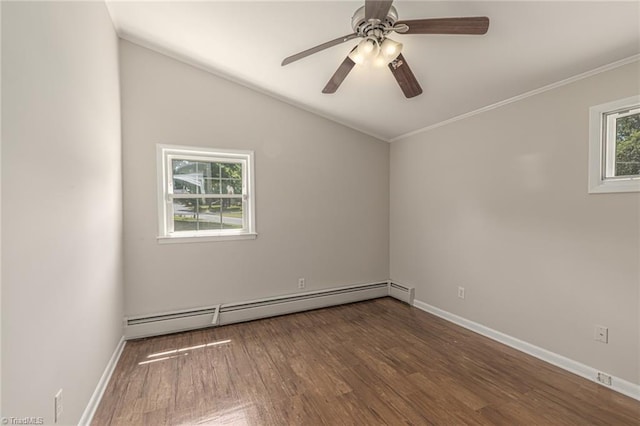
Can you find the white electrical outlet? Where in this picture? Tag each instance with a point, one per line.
(601, 334)
(300, 282)
(58, 407)
(605, 379)
(461, 292)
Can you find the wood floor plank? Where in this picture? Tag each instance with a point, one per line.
(370, 363)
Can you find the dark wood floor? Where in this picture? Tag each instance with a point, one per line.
(369, 363)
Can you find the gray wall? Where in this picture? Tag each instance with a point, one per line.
(322, 191)
(498, 203)
(61, 205)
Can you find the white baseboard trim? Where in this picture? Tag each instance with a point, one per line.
(95, 399)
(617, 384)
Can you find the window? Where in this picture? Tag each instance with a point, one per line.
(614, 152)
(205, 194)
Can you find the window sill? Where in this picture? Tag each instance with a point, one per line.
(205, 238)
(615, 185)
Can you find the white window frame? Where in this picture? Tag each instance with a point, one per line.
(165, 155)
(602, 151)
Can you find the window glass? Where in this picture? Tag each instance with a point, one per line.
(205, 193)
(627, 142)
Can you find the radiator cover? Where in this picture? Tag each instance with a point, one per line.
(229, 313)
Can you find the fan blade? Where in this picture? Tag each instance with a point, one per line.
(403, 74)
(338, 77)
(376, 9)
(467, 25)
(318, 48)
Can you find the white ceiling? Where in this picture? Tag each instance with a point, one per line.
(528, 45)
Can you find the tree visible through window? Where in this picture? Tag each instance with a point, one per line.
(627, 142)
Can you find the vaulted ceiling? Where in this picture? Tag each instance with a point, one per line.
(528, 45)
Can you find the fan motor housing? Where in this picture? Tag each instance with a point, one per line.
(362, 27)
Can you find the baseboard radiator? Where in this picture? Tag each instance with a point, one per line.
(402, 292)
(229, 313)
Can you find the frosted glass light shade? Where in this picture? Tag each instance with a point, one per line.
(379, 61)
(367, 50)
(369, 47)
(357, 57)
(390, 49)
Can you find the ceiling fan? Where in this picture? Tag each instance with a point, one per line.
(373, 22)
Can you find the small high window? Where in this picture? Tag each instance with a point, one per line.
(205, 194)
(614, 154)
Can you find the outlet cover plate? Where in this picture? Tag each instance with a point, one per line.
(603, 378)
(601, 334)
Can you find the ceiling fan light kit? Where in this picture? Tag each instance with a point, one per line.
(390, 49)
(373, 22)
